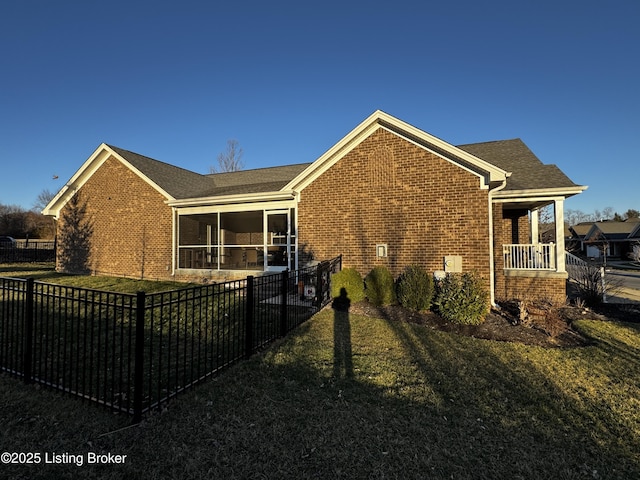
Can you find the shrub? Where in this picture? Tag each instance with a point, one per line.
(415, 288)
(351, 281)
(462, 298)
(592, 287)
(380, 287)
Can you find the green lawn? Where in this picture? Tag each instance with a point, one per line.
(382, 400)
(45, 272)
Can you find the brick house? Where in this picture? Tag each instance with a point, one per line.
(386, 194)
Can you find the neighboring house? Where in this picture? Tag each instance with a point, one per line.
(386, 194)
(608, 238)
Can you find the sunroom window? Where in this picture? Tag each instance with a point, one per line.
(250, 240)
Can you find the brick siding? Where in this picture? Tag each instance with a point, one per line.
(389, 191)
(131, 224)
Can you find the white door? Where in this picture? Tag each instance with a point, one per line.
(278, 242)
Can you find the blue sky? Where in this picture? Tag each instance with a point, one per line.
(176, 80)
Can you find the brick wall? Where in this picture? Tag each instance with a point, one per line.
(511, 226)
(131, 224)
(552, 288)
(389, 191)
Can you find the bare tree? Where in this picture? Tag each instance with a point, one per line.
(608, 213)
(230, 160)
(43, 199)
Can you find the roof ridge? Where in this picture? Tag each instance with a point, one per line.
(259, 168)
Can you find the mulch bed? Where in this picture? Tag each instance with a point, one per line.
(502, 325)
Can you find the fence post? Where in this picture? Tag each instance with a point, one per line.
(27, 352)
(248, 328)
(319, 286)
(138, 374)
(283, 303)
(604, 285)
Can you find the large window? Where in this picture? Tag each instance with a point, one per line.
(251, 240)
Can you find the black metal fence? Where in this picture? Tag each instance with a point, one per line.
(27, 251)
(132, 353)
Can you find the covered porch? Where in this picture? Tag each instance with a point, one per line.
(526, 267)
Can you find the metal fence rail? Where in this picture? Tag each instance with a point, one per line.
(132, 353)
(22, 252)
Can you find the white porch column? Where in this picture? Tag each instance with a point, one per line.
(535, 237)
(558, 207)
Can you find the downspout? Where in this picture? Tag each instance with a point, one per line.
(492, 275)
(174, 215)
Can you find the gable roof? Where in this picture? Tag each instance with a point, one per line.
(507, 163)
(528, 172)
(176, 182)
(581, 229)
(612, 231)
(488, 173)
(182, 184)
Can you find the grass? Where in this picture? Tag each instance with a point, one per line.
(358, 397)
(45, 272)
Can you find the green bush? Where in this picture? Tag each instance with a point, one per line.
(415, 288)
(462, 298)
(380, 287)
(351, 281)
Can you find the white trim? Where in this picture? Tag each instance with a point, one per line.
(538, 194)
(558, 210)
(243, 207)
(492, 273)
(487, 172)
(86, 171)
(535, 231)
(234, 199)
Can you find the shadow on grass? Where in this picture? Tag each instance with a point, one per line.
(342, 352)
(528, 415)
(420, 404)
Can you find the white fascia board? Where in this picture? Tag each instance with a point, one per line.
(495, 174)
(86, 171)
(331, 156)
(537, 194)
(235, 207)
(234, 199)
(488, 173)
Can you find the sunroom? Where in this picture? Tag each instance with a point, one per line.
(259, 237)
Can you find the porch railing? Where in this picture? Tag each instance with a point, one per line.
(576, 267)
(539, 256)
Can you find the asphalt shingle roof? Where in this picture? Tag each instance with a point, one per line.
(181, 183)
(177, 182)
(528, 172)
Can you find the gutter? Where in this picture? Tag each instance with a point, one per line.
(492, 275)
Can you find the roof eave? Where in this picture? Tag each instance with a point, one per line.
(84, 173)
(490, 173)
(539, 192)
(230, 199)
